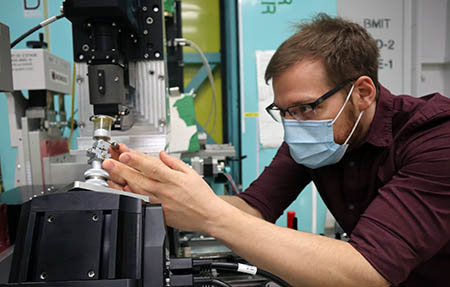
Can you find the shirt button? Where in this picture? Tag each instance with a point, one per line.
(351, 207)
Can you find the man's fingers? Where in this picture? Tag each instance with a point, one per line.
(115, 153)
(151, 167)
(114, 185)
(174, 163)
(108, 165)
(137, 181)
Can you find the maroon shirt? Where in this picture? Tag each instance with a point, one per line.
(392, 193)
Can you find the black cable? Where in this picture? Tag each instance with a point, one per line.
(35, 28)
(234, 267)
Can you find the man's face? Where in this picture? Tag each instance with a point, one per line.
(305, 82)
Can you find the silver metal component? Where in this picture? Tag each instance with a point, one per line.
(149, 20)
(97, 154)
(146, 55)
(91, 274)
(144, 8)
(50, 219)
(217, 151)
(98, 188)
(81, 57)
(155, 9)
(145, 32)
(43, 276)
(95, 217)
(85, 47)
(157, 54)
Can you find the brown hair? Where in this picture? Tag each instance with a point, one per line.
(346, 49)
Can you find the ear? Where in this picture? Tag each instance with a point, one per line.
(367, 91)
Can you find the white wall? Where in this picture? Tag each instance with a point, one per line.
(420, 33)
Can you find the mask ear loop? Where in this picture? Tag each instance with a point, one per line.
(343, 106)
(354, 127)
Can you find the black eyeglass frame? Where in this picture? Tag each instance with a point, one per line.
(313, 105)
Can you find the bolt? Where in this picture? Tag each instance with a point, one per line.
(149, 20)
(144, 8)
(43, 276)
(91, 274)
(85, 47)
(95, 217)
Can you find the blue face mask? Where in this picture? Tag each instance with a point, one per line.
(311, 143)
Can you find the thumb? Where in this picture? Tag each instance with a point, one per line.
(174, 163)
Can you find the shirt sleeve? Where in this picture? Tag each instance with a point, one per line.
(409, 220)
(277, 186)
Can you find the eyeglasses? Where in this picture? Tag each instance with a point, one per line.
(302, 111)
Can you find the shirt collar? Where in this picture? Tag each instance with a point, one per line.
(380, 131)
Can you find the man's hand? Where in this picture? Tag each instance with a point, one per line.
(187, 200)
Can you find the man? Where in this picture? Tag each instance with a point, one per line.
(380, 162)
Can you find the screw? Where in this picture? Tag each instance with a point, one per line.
(145, 32)
(146, 55)
(50, 219)
(95, 217)
(116, 79)
(113, 24)
(91, 273)
(100, 88)
(155, 9)
(144, 8)
(85, 47)
(81, 57)
(149, 20)
(43, 276)
(157, 54)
